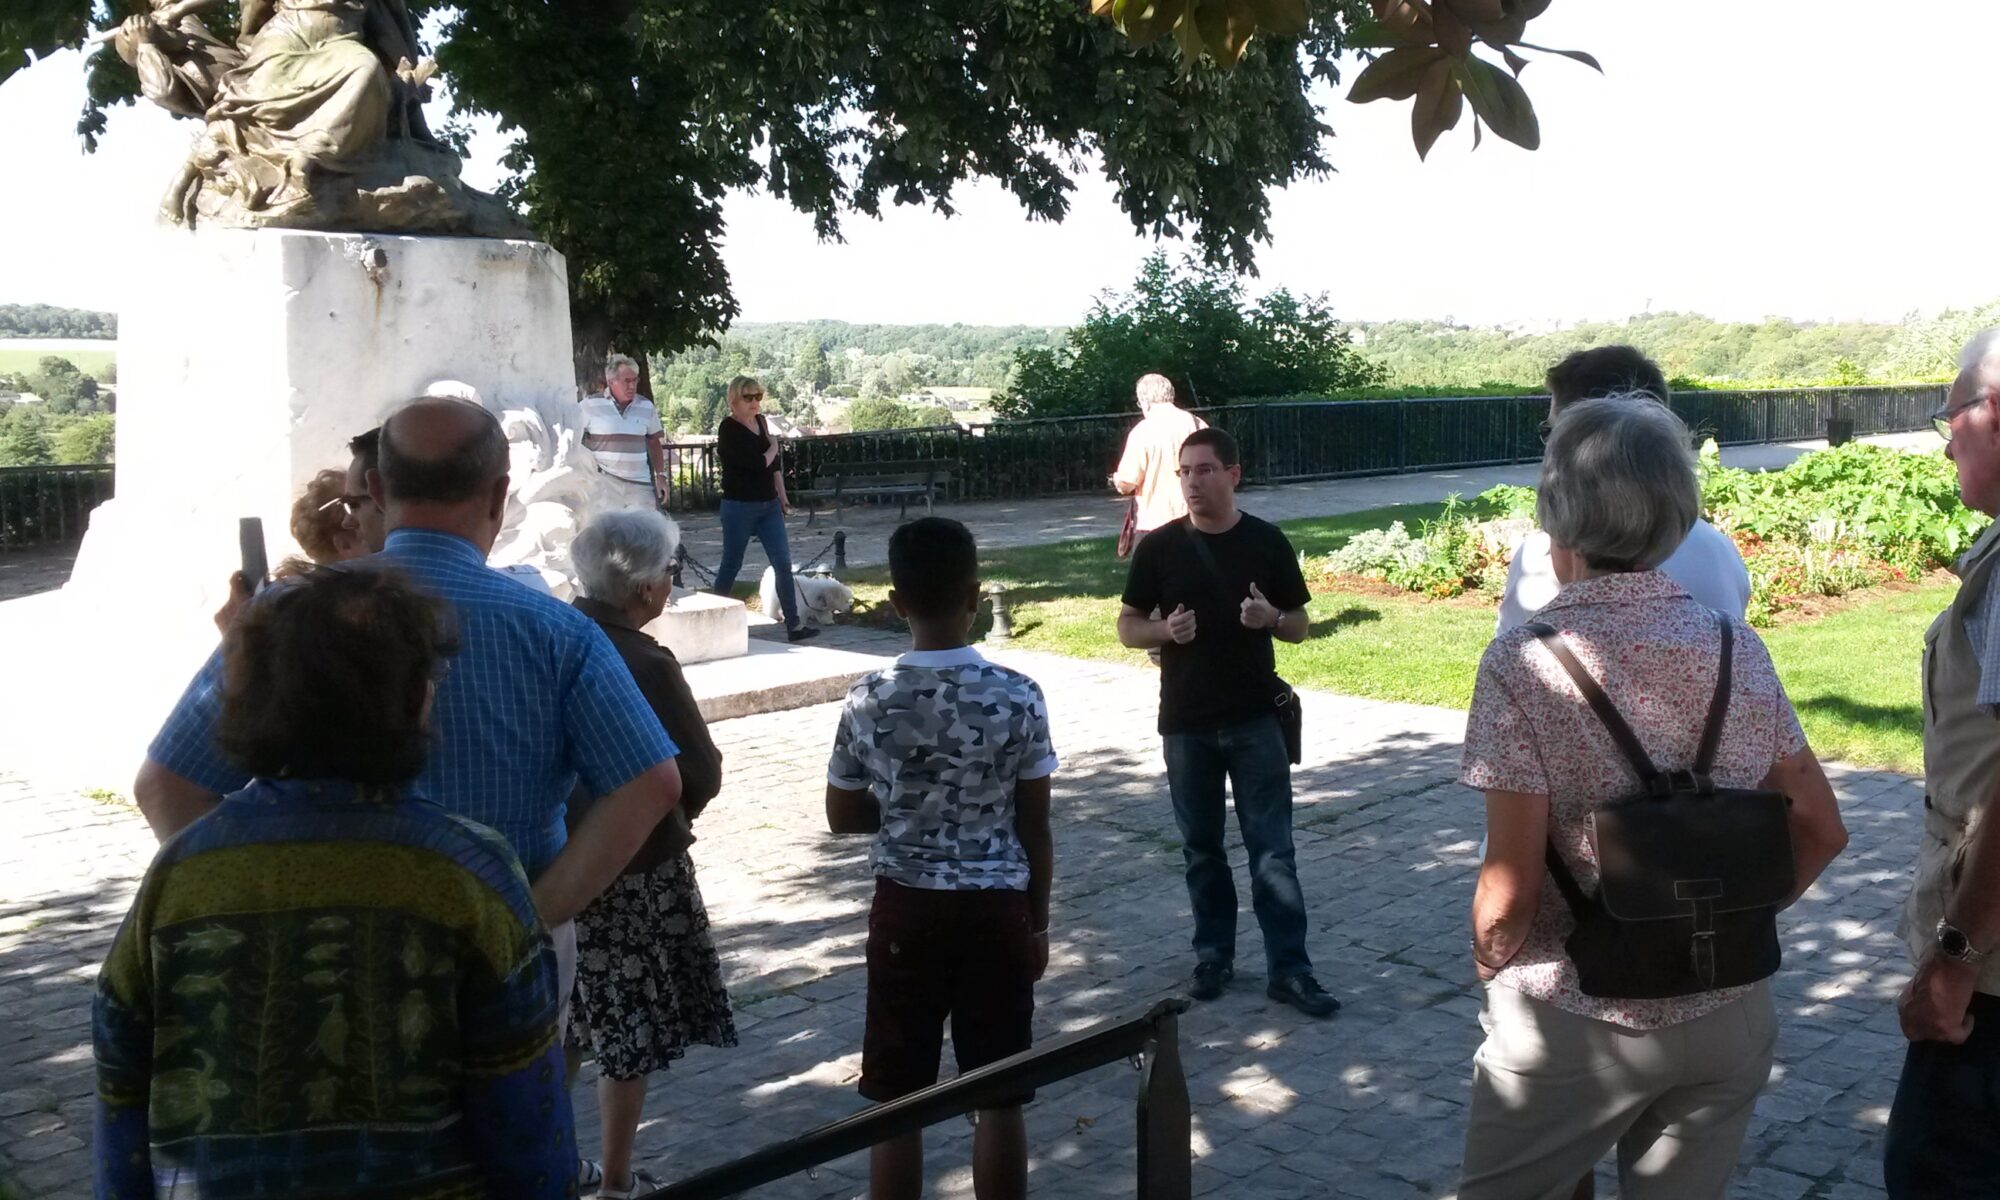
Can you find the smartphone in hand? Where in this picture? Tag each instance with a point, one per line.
(256, 561)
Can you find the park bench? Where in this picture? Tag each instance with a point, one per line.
(846, 483)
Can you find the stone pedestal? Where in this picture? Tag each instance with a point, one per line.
(702, 627)
(247, 359)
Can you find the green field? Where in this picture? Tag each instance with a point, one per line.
(1851, 674)
(18, 356)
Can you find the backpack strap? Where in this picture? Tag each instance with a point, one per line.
(1607, 713)
(1718, 708)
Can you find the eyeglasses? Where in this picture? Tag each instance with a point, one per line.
(1941, 419)
(1200, 470)
(753, 397)
(351, 503)
(1544, 429)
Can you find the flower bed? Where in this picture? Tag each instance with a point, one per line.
(1833, 522)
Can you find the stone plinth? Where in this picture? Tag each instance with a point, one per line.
(702, 627)
(247, 359)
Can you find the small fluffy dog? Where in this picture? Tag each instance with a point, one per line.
(821, 596)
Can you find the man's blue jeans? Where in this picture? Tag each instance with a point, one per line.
(1942, 1127)
(765, 519)
(1251, 757)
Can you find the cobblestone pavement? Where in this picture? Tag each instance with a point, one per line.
(1368, 1104)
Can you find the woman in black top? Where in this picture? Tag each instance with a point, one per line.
(753, 499)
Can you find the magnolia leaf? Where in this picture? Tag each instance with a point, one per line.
(1440, 101)
(1503, 32)
(1528, 10)
(1406, 15)
(1583, 57)
(1477, 125)
(1500, 101)
(1286, 18)
(1472, 12)
(1515, 62)
(1187, 32)
(1225, 30)
(1454, 36)
(1394, 76)
(1374, 35)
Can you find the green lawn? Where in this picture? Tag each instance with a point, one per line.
(90, 358)
(1852, 675)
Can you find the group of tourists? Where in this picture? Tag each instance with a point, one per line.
(426, 828)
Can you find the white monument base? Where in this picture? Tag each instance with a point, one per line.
(702, 627)
(248, 358)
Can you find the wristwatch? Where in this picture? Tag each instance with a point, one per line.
(1954, 945)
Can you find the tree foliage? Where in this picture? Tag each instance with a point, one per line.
(630, 121)
(864, 415)
(1192, 323)
(89, 439)
(24, 438)
(49, 321)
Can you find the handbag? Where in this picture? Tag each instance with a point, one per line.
(1284, 697)
(1690, 875)
(1128, 533)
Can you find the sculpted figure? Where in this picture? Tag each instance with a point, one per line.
(312, 118)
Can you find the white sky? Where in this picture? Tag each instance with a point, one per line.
(1741, 158)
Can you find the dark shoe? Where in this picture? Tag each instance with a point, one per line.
(1304, 993)
(1209, 979)
(800, 633)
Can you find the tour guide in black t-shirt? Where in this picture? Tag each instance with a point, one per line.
(1218, 712)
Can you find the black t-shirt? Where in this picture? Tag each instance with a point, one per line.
(745, 474)
(1226, 674)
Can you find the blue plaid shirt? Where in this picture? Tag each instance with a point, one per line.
(536, 700)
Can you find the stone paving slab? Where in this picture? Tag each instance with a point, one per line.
(1368, 1104)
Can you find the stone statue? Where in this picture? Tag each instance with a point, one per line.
(311, 119)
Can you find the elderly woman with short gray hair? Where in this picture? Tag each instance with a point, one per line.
(1564, 1076)
(648, 982)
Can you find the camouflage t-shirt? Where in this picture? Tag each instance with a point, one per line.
(940, 738)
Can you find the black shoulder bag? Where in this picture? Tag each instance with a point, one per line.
(1284, 698)
(1690, 875)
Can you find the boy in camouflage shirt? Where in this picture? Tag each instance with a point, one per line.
(946, 759)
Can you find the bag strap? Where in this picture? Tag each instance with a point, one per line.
(1607, 713)
(1718, 708)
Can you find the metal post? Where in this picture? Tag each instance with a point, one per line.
(1003, 622)
(680, 563)
(840, 549)
(1165, 1149)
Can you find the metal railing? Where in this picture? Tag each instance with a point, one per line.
(1151, 1036)
(1282, 442)
(49, 506)
(1293, 441)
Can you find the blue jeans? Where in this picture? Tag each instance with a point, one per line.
(1941, 1127)
(765, 519)
(1251, 755)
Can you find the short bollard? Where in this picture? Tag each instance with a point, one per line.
(680, 562)
(1003, 622)
(840, 549)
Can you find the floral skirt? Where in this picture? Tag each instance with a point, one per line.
(648, 982)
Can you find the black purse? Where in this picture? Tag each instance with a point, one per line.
(1690, 875)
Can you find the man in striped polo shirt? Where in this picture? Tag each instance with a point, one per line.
(622, 428)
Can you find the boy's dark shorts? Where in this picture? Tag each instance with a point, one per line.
(966, 955)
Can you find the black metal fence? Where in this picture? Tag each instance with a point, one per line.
(1281, 442)
(1295, 441)
(44, 506)
(1150, 1038)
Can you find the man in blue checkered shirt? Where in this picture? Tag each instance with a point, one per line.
(535, 700)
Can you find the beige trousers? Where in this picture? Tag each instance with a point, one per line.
(1552, 1091)
(564, 937)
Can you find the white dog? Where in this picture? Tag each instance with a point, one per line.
(821, 596)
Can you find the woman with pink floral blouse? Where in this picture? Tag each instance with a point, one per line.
(1564, 1077)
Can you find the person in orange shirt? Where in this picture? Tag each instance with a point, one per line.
(1152, 453)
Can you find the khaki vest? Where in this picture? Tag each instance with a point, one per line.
(1961, 755)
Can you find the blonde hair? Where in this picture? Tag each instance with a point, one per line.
(317, 522)
(737, 385)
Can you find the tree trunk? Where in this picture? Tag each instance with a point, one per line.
(590, 338)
